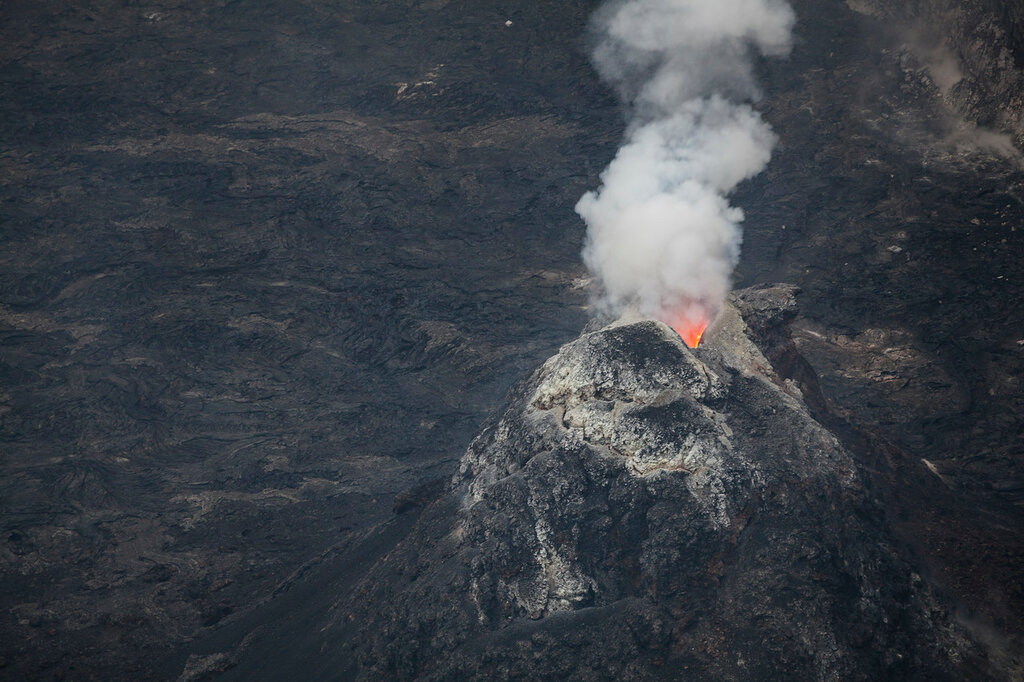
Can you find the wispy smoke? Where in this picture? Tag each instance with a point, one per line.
(662, 236)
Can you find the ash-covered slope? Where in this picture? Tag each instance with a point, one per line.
(640, 511)
(645, 511)
(972, 49)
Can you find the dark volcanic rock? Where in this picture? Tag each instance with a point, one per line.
(267, 265)
(645, 511)
(973, 50)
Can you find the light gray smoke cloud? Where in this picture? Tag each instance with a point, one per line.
(662, 237)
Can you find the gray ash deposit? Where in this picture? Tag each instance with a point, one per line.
(641, 511)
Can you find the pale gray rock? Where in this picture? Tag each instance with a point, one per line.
(645, 511)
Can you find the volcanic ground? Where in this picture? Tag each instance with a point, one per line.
(267, 267)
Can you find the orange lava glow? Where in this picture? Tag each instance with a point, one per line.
(690, 326)
(691, 333)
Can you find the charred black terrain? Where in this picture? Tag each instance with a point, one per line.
(267, 268)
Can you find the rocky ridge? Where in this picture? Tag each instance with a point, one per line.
(644, 511)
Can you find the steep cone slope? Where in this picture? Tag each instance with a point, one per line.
(644, 511)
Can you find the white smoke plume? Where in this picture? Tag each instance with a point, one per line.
(662, 238)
